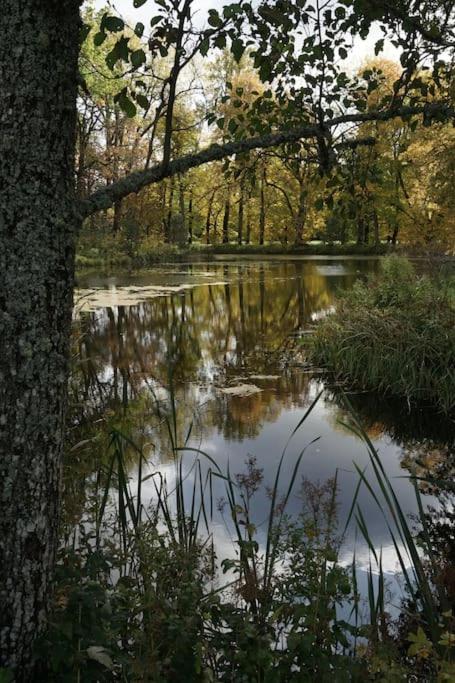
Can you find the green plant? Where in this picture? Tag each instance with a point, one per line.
(395, 335)
(139, 594)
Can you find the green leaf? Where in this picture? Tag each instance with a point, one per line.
(379, 47)
(214, 19)
(137, 58)
(113, 24)
(237, 49)
(139, 3)
(84, 32)
(220, 41)
(265, 70)
(142, 100)
(125, 104)
(139, 29)
(120, 51)
(99, 38)
(204, 47)
(232, 126)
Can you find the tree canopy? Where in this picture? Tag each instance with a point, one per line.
(256, 76)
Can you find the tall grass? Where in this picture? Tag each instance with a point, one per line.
(395, 335)
(142, 591)
(417, 561)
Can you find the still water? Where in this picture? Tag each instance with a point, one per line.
(225, 342)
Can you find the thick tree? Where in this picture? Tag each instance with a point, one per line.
(39, 47)
(40, 216)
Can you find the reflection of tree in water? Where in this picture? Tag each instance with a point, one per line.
(239, 418)
(427, 441)
(409, 428)
(238, 324)
(212, 329)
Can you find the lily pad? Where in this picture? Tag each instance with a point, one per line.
(94, 299)
(241, 390)
(264, 377)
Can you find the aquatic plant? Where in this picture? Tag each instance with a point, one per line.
(394, 334)
(141, 595)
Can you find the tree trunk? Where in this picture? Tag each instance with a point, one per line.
(182, 201)
(227, 210)
(116, 223)
(38, 89)
(116, 143)
(262, 209)
(395, 233)
(248, 220)
(207, 221)
(169, 212)
(360, 228)
(301, 215)
(215, 227)
(82, 142)
(163, 209)
(376, 227)
(240, 214)
(190, 218)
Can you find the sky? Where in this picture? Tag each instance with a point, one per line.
(361, 51)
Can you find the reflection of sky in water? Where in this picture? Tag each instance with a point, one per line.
(239, 321)
(335, 450)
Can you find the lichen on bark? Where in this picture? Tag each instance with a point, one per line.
(38, 87)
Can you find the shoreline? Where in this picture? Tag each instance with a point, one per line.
(222, 252)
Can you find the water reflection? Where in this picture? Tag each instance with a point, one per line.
(236, 324)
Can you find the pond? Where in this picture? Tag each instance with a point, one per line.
(220, 347)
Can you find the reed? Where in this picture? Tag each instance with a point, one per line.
(394, 335)
(143, 597)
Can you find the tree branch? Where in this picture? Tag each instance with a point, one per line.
(286, 196)
(133, 183)
(431, 35)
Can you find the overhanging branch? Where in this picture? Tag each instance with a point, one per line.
(133, 183)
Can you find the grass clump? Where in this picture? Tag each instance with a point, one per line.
(394, 334)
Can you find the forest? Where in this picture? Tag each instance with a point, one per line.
(227, 323)
(392, 181)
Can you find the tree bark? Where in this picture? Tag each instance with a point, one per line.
(190, 218)
(301, 215)
(117, 221)
(240, 213)
(169, 212)
(262, 207)
(182, 199)
(38, 88)
(376, 227)
(248, 219)
(227, 211)
(208, 218)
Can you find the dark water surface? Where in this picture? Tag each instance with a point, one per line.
(228, 324)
